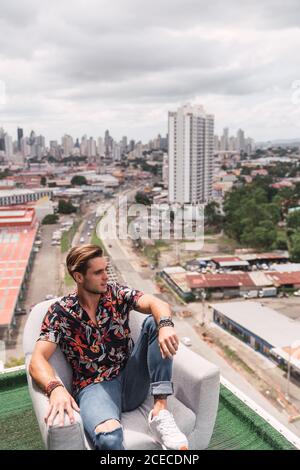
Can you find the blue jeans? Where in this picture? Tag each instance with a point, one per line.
(106, 400)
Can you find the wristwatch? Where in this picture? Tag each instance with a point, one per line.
(165, 318)
(165, 321)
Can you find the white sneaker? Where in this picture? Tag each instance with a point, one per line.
(166, 431)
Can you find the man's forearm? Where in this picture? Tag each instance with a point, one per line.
(160, 309)
(41, 371)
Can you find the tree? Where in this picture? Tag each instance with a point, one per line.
(50, 219)
(245, 170)
(78, 180)
(65, 207)
(5, 173)
(295, 248)
(262, 236)
(293, 220)
(212, 214)
(43, 181)
(142, 198)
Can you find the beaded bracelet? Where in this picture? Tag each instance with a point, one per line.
(51, 386)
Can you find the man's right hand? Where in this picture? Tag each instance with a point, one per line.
(61, 401)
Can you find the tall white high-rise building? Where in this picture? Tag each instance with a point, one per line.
(40, 146)
(116, 151)
(165, 170)
(225, 139)
(216, 143)
(124, 144)
(240, 137)
(83, 146)
(232, 143)
(91, 148)
(67, 145)
(191, 152)
(101, 147)
(25, 147)
(8, 146)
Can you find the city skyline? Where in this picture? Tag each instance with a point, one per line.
(127, 68)
(230, 143)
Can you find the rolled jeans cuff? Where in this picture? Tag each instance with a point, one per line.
(161, 388)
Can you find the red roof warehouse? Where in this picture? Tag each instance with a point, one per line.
(18, 228)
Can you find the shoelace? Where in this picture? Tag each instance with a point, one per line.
(167, 425)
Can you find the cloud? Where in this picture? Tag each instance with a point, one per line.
(100, 64)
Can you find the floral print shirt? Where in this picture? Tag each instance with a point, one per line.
(95, 353)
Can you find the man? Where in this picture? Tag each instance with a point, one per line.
(110, 373)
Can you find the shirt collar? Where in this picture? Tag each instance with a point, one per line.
(72, 305)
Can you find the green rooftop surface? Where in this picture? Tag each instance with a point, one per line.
(237, 426)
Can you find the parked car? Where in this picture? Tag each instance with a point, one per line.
(21, 311)
(81, 240)
(297, 293)
(186, 341)
(252, 294)
(49, 297)
(268, 292)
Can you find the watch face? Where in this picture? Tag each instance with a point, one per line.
(165, 318)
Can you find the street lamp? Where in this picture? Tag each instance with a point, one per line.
(294, 345)
(203, 297)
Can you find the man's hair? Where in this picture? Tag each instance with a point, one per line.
(79, 256)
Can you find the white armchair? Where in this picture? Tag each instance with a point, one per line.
(194, 403)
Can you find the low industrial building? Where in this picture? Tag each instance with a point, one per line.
(262, 328)
(230, 262)
(175, 277)
(234, 276)
(22, 196)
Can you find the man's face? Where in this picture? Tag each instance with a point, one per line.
(95, 279)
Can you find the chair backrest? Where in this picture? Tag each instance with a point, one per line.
(58, 360)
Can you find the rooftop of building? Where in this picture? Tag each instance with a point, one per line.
(289, 267)
(209, 280)
(11, 217)
(22, 192)
(15, 249)
(237, 427)
(264, 322)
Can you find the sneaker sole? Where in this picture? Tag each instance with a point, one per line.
(166, 448)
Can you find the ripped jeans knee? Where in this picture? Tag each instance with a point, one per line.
(112, 440)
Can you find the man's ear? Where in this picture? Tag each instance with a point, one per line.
(77, 277)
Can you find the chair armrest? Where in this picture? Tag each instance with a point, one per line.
(67, 437)
(197, 385)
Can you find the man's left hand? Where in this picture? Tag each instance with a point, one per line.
(168, 342)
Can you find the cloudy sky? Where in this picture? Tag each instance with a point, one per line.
(83, 66)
